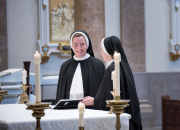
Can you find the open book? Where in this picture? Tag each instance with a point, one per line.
(67, 103)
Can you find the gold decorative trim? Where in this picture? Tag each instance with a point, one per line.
(45, 52)
(174, 57)
(44, 6)
(61, 45)
(45, 57)
(176, 8)
(177, 50)
(38, 36)
(170, 36)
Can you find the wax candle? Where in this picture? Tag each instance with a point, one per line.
(24, 75)
(117, 59)
(37, 60)
(113, 78)
(81, 109)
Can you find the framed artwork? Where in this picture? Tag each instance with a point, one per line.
(61, 20)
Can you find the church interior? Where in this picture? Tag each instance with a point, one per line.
(149, 31)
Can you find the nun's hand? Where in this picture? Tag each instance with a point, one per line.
(88, 101)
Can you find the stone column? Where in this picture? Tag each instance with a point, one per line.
(133, 33)
(3, 36)
(89, 16)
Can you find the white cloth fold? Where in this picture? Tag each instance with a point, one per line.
(17, 117)
(103, 47)
(77, 91)
(82, 58)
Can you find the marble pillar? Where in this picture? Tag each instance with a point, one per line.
(133, 33)
(3, 36)
(89, 16)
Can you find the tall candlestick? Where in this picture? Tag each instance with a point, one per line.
(81, 109)
(113, 78)
(117, 59)
(24, 75)
(37, 60)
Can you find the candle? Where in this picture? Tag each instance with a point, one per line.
(117, 59)
(113, 78)
(37, 60)
(81, 109)
(24, 75)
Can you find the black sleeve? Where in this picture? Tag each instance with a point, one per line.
(103, 93)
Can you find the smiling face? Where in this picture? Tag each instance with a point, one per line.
(79, 46)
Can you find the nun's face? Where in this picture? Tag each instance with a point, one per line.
(79, 46)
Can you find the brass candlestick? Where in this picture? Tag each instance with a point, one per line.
(24, 97)
(113, 93)
(38, 112)
(2, 93)
(81, 128)
(117, 107)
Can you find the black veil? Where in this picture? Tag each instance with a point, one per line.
(128, 88)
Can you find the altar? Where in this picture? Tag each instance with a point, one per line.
(16, 117)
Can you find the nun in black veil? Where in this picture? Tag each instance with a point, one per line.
(127, 85)
(82, 74)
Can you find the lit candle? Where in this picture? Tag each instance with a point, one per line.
(24, 75)
(37, 60)
(113, 78)
(117, 59)
(81, 109)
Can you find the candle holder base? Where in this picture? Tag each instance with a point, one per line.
(24, 97)
(115, 98)
(38, 112)
(2, 93)
(117, 107)
(81, 128)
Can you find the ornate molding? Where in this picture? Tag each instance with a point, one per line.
(45, 57)
(38, 36)
(56, 23)
(45, 4)
(174, 40)
(175, 56)
(64, 48)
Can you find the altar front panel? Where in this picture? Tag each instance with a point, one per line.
(16, 117)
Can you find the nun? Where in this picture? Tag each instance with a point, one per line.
(109, 46)
(82, 74)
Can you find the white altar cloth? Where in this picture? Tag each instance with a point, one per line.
(16, 117)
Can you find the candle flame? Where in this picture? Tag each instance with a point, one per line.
(36, 51)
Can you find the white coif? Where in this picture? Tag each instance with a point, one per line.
(77, 91)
